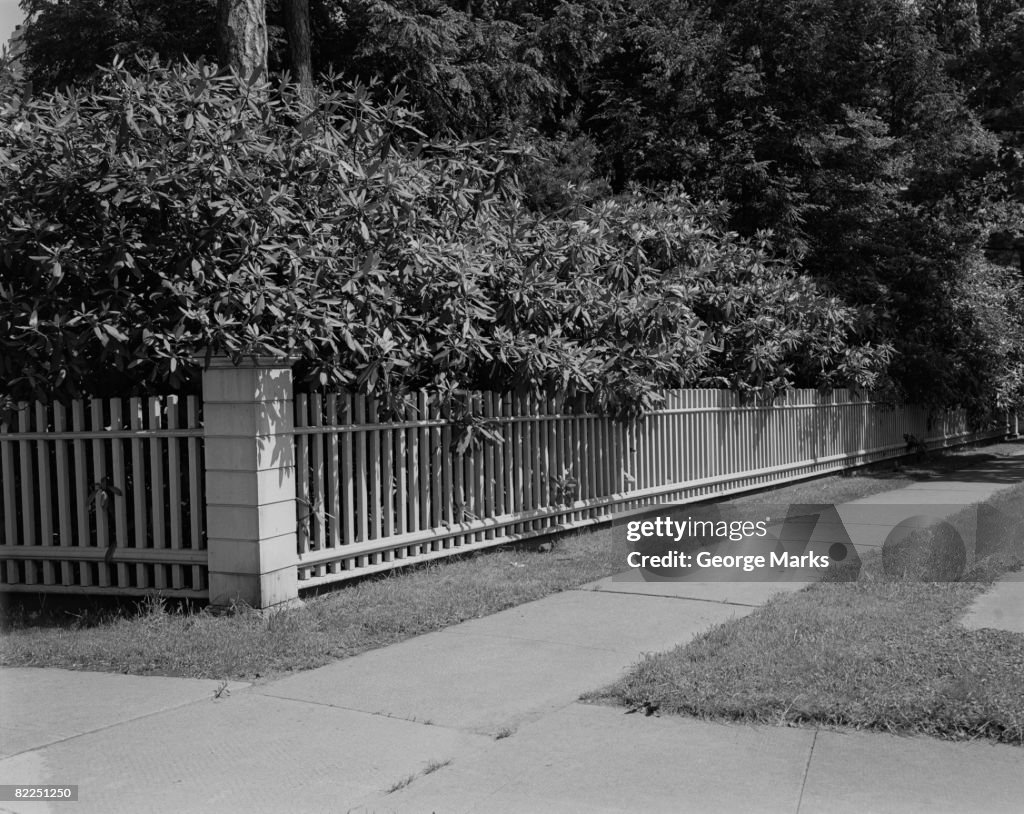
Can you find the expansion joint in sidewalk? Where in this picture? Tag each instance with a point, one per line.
(665, 596)
(807, 770)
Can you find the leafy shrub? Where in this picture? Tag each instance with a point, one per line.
(168, 212)
(559, 177)
(172, 210)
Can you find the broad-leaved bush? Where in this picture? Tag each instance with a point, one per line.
(165, 213)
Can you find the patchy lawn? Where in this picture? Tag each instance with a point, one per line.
(882, 653)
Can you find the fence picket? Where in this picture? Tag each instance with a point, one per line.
(81, 488)
(64, 496)
(302, 485)
(362, 521)
(99, 503)
(459, 491)
(423, 444)
(8, 479)
(28, 514)
(568, 467)
(174, 475)
(156, 468)
(195, 505)
(437, 455)
(117, 496)
(450, 469)
(409, 508)
(555, 463)
(373, 463)
(45, 493)
(508, 463)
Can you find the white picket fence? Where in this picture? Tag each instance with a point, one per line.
(107, 496)
(375, 493)
(103, 496)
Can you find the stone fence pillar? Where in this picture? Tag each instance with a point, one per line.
(250, 481)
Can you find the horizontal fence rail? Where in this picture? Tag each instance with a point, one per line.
(374, 492)
(103, 496)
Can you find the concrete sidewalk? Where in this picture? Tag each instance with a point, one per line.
(484, 717)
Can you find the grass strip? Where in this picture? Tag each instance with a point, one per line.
(882, 653)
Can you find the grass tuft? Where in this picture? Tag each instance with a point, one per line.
(434, 765)
(401, 784)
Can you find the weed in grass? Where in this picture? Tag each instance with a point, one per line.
(401, 784)
(154, 605)
(434, 765)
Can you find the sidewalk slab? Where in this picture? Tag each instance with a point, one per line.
(887, 514)
(38, 707)
(863, 773)
(247, 753)
(935, 495)
(589, 758)
(493, 673)
(576, 617)
(1001, 607)
(954, 487)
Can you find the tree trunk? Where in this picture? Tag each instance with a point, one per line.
(296, 22)
(242, 27)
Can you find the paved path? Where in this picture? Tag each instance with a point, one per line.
(484, 717)
(1001, 608)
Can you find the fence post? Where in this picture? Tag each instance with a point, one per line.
(248, 420)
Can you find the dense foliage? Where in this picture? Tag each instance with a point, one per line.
(171, 211)
(879, 141)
